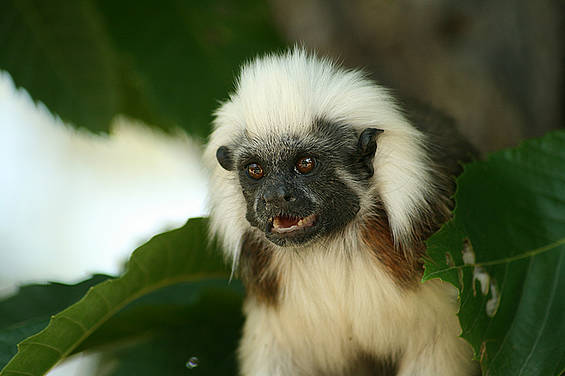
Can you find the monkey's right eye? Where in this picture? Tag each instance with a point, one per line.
(255, 171)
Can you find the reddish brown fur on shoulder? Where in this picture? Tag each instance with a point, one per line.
(255, 261)
(402, 264)
(404, 261)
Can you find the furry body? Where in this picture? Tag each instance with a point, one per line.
(341, 297)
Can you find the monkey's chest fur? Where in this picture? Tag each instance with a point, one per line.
(337, 310)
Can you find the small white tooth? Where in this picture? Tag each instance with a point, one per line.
(286, 229)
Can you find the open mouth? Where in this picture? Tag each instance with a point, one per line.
(290, 224)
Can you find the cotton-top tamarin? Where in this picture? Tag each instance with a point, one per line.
(323, 192)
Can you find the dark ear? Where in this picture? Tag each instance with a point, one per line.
(224, 157)
(366, 148)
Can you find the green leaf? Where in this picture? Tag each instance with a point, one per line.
(58, 50)
(172, 307)
(508, 231)
(29, 311)
(209, 331)
(185, 54)
(157, 331)
(167, 259)
(167, 64)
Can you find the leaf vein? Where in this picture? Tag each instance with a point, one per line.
(20, 373)
(507, 334)
(547, 310)
(147, 289)
(80, 325)
(104, 299)
(507, 260)
(142, 269)
(41, 344)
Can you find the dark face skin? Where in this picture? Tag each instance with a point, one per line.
(292, 187)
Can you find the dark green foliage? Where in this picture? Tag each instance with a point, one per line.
(170, 280)
(34, 302)
(29, 311)
(166, 63)
(58, 50)
(511, 213)
(209, 331)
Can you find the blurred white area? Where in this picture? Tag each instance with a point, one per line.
(73, 203)
(77, 365)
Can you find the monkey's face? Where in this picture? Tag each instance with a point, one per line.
(299, 189)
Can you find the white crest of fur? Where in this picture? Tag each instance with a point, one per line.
(286, 93)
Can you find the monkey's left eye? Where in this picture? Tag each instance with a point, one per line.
(305, 165)
(255, 171)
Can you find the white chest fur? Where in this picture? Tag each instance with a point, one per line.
(335, 308)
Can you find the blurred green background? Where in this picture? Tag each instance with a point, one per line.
(167, 64)
(496, 67)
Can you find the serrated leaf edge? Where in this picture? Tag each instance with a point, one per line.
(61, 315)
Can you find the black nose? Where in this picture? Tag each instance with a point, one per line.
(277, 194)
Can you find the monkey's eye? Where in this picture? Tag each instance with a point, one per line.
(305, 165)
(255, 171)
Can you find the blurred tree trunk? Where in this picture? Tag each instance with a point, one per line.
(495, 66)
